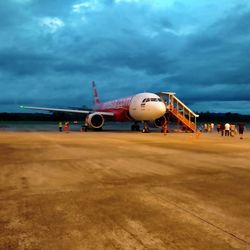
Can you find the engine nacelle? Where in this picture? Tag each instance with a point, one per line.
(95, 120)
(157, 123)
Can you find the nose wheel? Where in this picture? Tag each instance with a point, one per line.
(145, 127)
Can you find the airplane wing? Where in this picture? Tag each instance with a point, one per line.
(68, 110)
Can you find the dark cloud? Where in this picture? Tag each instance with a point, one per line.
(234, 25)
(11, 15)
(218, 56)
(57, 8)
(24, 63)
(50, 51)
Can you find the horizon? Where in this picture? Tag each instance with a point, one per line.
(50, 52)
(44, 112)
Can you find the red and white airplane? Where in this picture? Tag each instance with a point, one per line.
(140, 107)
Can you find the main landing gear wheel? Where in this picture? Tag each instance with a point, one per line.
(135, 127)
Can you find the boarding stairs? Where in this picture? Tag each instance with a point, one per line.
(179, 110)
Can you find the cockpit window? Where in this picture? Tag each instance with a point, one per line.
(152, 100)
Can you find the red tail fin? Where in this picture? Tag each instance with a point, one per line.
(96, 98)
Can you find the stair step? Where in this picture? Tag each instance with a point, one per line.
(179, 110)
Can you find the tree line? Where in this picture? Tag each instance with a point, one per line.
(60, 116)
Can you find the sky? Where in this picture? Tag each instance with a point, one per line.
(50, 51)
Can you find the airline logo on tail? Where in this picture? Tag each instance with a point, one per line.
(96, 98)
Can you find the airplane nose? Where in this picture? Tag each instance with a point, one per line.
(160, 109)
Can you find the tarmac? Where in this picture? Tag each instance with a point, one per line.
(124, 190)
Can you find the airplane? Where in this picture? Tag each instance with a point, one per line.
(140, 107)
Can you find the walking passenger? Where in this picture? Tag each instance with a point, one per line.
(232, 130)
(222, 128)
(227, 129)
(212, 127)
(241, 129)
(209, 127)
(218, 127)
(205, 127)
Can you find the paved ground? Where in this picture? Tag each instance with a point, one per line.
(124, 191)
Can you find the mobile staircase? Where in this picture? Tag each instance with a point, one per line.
(179, 110)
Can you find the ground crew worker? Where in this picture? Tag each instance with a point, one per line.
(164, 128)
(86, 126)
(60, 126)
(82, 127)
(66, 127)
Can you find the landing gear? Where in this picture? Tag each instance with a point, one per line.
(145, 127)
(135, 127)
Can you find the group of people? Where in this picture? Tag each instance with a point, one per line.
(228, 129)
(208, 127)
(222, 128)
(64, 127)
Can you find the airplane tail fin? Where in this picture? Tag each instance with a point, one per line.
(96, 98)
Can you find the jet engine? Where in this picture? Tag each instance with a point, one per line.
(95, 121)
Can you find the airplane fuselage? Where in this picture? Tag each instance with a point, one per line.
(142, 106)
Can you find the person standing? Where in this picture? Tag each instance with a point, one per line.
(218, 127)
(86, 126)
(205, 127)
(209, 127)
(227, 129)
(212, 127)
(222, 128)
(60, 126)
(232, 130)
(66, 127)
(241, 129)
(82, 127)
(164, 127)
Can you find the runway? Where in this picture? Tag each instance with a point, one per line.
(112, 190)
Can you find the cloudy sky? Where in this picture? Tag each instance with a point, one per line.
(50, 51)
